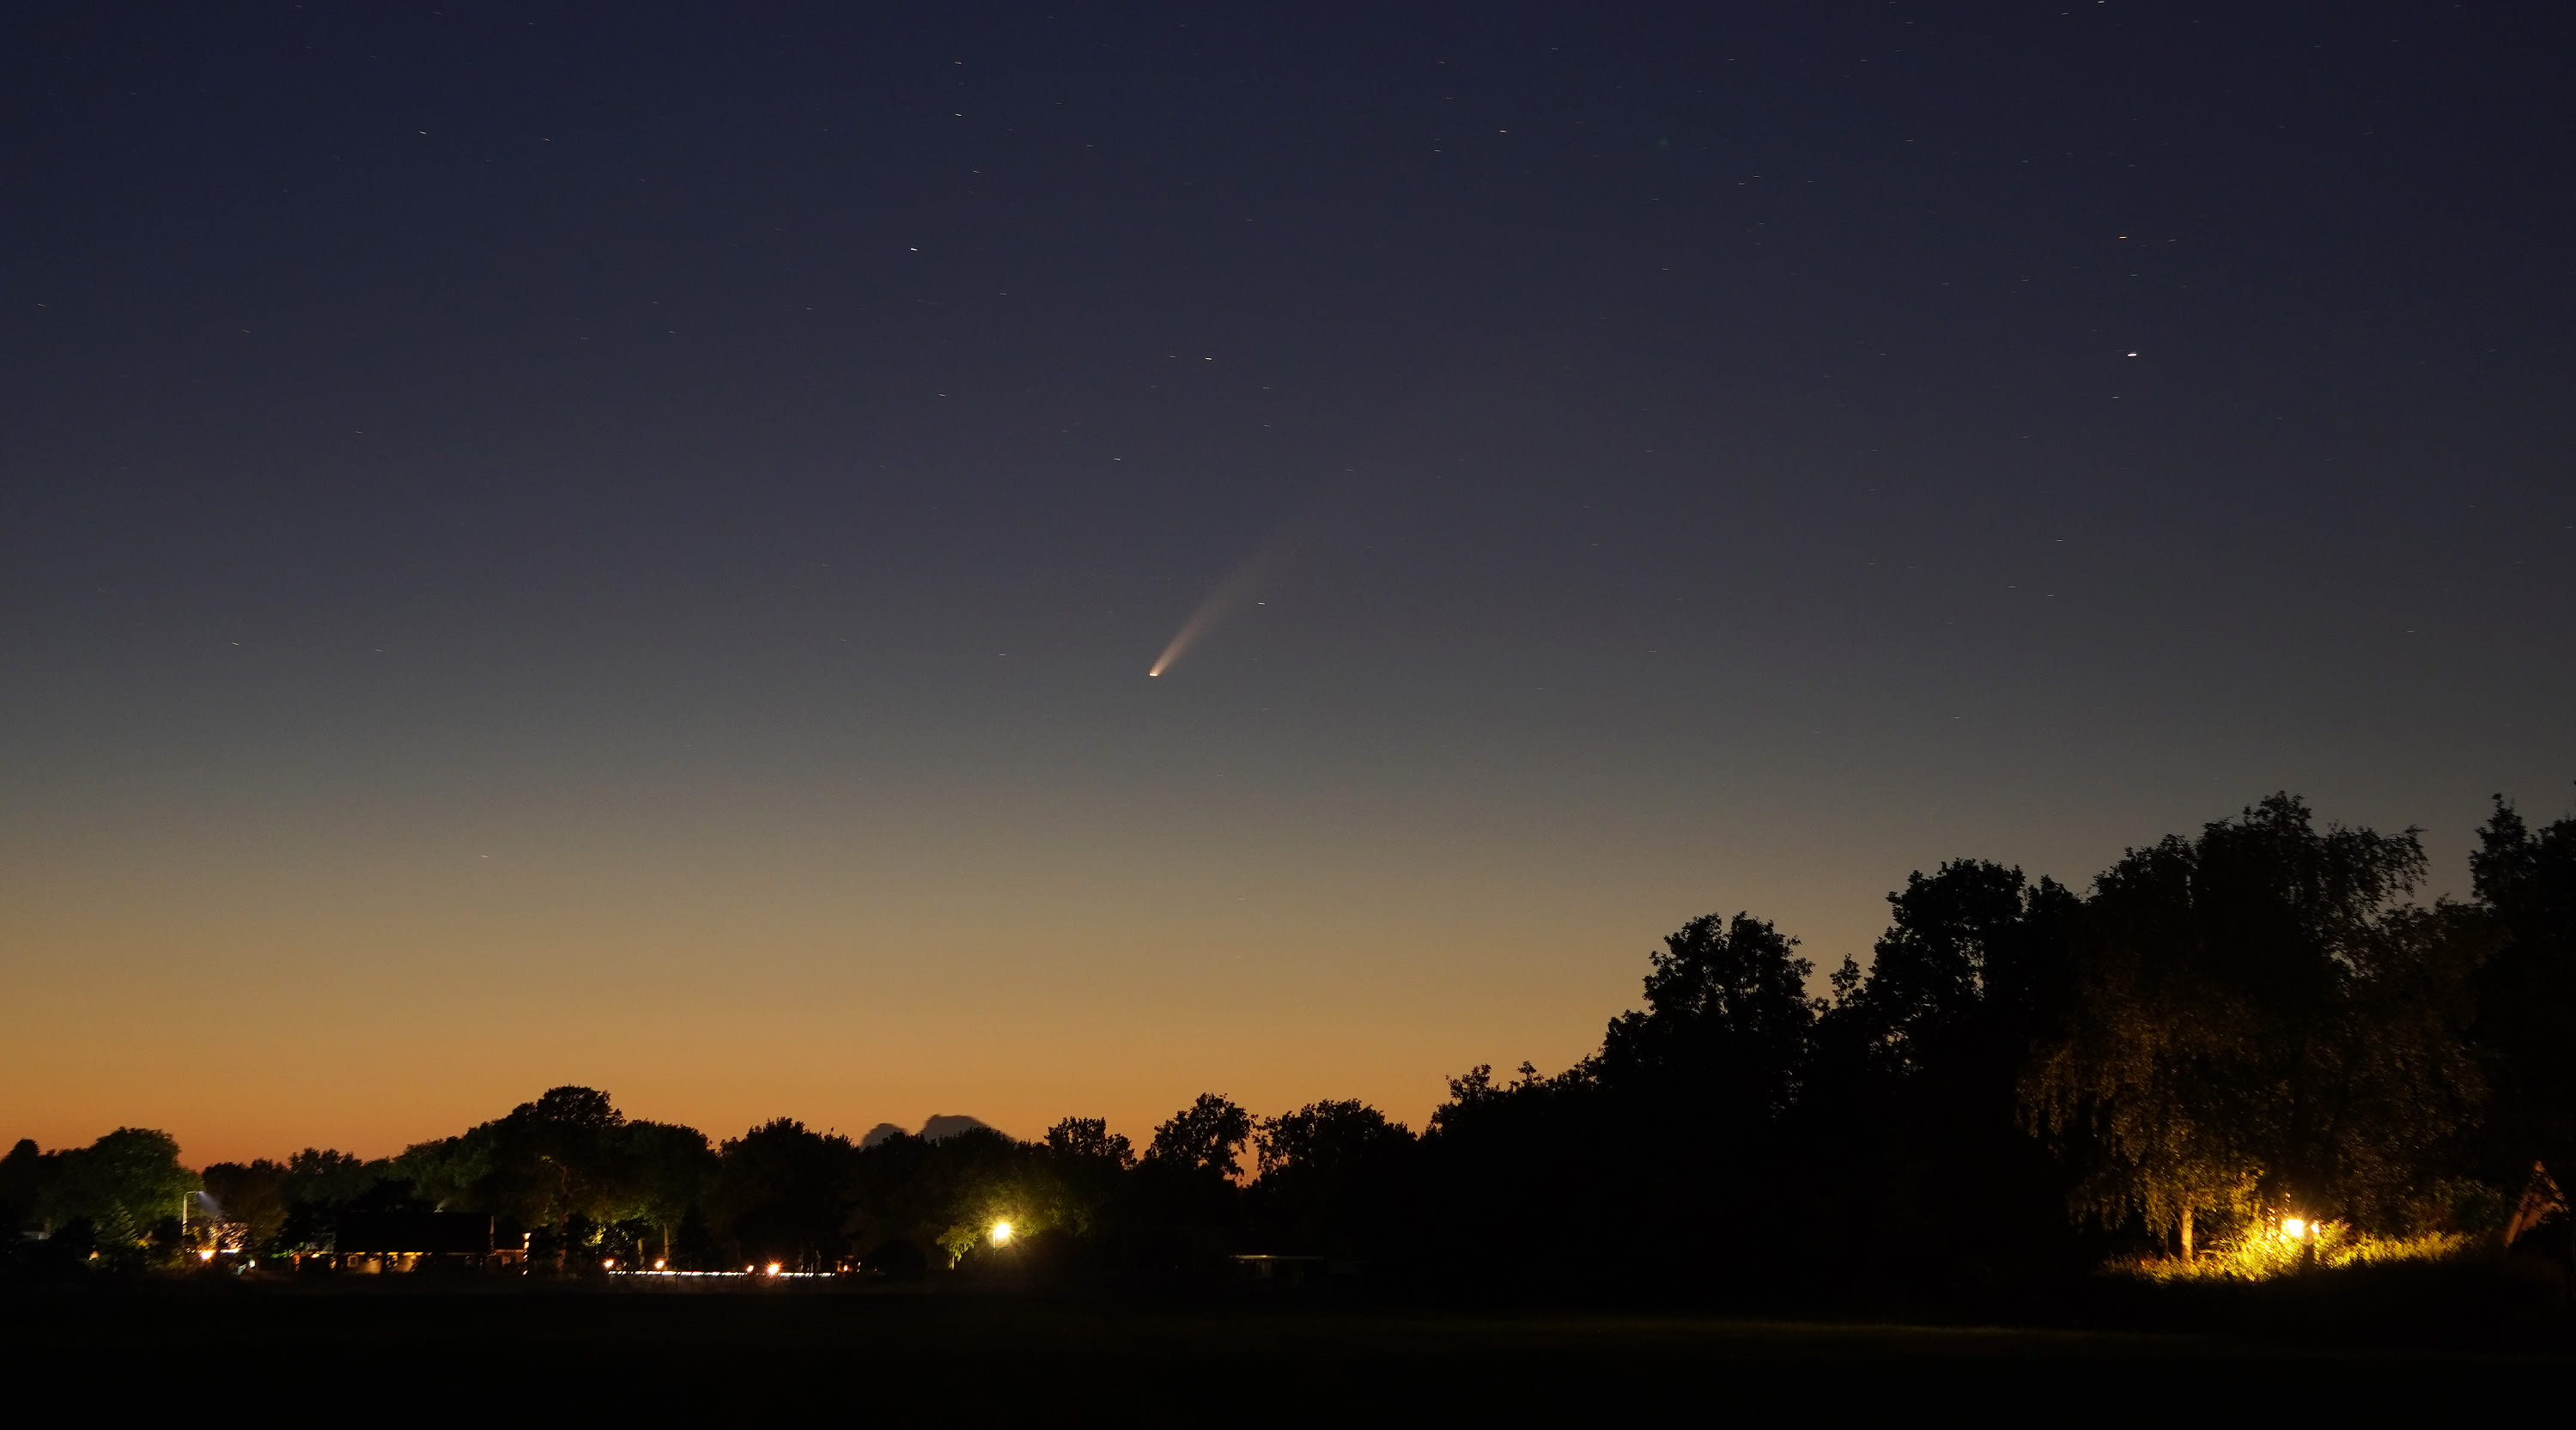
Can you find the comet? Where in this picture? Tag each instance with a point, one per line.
(1248, 579)
(1327, 513)
(1228, 598)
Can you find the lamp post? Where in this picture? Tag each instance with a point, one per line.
(2304, 1232)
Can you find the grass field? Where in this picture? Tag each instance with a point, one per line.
(985, 1358)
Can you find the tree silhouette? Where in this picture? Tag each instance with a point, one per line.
(252, 1194)
(1973, 959)
(2254, 1017)
(24, 1175)
(658, 1173)
(124, 1185)
(1335, 1177)
(2231, 1042)
(1727, 1024)
(1205, 1137)
(1911, 1126)
(786, 1193)
(1088, 1139)
(2526, 1023)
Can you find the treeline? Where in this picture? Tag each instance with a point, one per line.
(2255, 1022)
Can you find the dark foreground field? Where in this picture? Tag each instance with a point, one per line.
(407, 1350)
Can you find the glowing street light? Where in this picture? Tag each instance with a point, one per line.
(773, 1268)
(2294, 1228)
(1001, 1233)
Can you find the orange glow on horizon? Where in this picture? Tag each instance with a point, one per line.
(723, 961)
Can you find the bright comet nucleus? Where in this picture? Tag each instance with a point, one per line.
(1229, 596)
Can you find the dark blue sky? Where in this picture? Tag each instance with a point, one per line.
(734, 468)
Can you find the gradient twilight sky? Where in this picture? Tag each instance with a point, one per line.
(621, 544)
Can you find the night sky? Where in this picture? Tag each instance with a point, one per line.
(623, 544)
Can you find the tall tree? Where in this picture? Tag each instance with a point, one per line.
(1334, 1177)
(1183, 1207)
(252, 1194)
(1088, 1139)
(24, 1175)
(1336, 1139)
(1973, 959)
(2527, 992)
(659, 1173)
(786, 1193)
(548, 1161)
(1087, 1163)
(1205, 1137)
(1727, 1026)
(1678, 1123)
(1913, 1113)
(125, 1184)
(2232, 1042)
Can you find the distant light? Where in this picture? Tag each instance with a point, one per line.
(608, 1265)
(1001, 1233)
(206, 1255)
(659, 1265)
(773, 1268)
(2293, 1228)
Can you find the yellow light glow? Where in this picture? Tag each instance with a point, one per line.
(2293, 1228)
(660, 1265)
(1001, 1233)
(608, 1266)
(205, 1256)
(773, 1268)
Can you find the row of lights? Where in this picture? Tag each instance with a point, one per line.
(1000, 1234)
(663, 1268)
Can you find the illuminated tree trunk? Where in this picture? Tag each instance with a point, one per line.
(2186, 1233)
